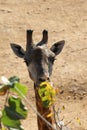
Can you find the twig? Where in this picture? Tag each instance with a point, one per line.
(55, 113)
(8, 92)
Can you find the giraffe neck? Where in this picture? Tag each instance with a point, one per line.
(43, 111)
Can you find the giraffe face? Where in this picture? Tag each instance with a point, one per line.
(38, 57)
(40, 64)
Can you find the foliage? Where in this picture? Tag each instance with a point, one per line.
(47, 94)
(14, 110)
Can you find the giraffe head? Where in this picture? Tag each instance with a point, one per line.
(38, 57)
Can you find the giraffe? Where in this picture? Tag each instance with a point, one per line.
(39, 60)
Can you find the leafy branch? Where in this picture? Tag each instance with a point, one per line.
(48, 96)
(14, 110)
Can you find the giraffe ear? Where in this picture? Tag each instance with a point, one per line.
(18, 50)
(57, 47)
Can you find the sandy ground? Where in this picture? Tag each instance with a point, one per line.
(64, 19)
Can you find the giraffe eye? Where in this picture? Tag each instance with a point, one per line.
(51, 59)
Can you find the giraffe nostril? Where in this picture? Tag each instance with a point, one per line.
(42, 79)
(48, 78)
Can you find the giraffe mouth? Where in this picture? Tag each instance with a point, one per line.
(41, 81)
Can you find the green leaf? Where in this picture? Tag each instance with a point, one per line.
(12, 113)
(20, 89)
(8, 122)
(14, 79)
(41, 92)
(46, 103)
(44, 98)
(18, 107)
(47, 94)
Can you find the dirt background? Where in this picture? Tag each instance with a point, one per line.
(64, 19)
